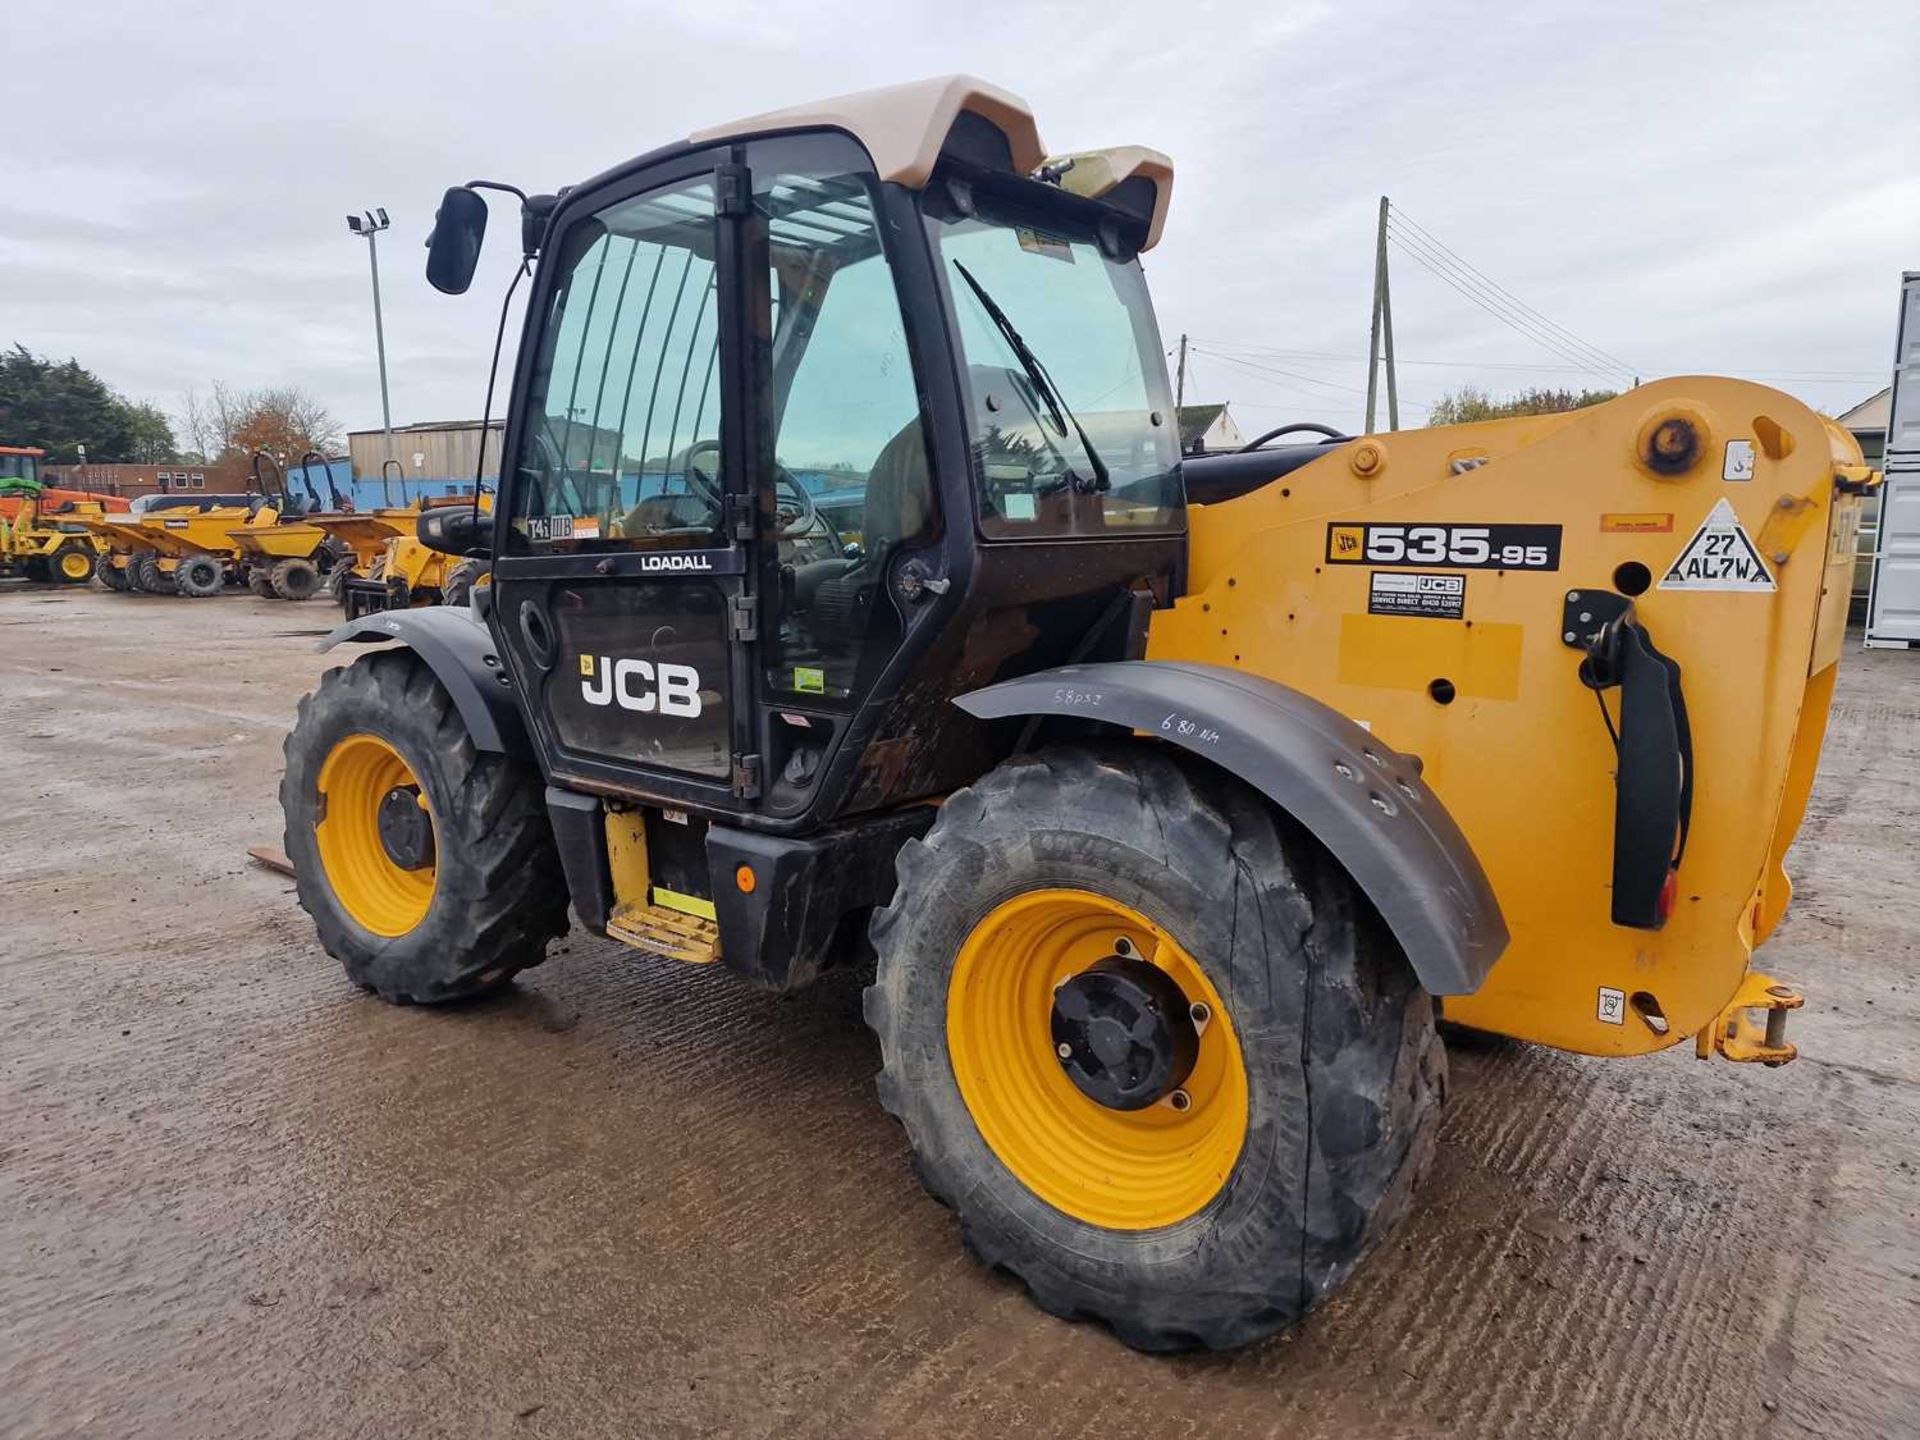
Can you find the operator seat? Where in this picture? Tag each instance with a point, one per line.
(838, 591)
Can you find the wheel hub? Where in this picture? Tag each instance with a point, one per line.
(406, 832)
(1124, 1033)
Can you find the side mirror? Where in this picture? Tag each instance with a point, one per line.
(453, 250)
(456, 530)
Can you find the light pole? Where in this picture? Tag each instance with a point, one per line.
(368, 227)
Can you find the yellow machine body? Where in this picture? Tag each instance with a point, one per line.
(30, 536)
(266, 538)
(404, 557)
(1283, 584)
(366, 532)
(173, 534)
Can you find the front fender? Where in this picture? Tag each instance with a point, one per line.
(461, 653)
(1361, 799)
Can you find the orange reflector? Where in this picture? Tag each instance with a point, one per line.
(1669, 892)
(743, 877)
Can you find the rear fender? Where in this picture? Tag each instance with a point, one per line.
(1364, 801)
(461, 653)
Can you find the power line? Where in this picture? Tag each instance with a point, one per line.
(1290, 375)
(1271, 352)
(1502, 310)
(1408, 224)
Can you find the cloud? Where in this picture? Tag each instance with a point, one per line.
(1721, 186)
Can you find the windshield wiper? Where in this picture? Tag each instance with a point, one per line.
(1042, 382)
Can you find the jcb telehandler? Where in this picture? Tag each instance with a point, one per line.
(1174, 798)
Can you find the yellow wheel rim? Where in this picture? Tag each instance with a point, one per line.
(376, 891)
(74, 566)
(1118, 1169)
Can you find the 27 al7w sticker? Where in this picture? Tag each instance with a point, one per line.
(1459, 547)
(1719, 557)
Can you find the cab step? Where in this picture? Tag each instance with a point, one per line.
(658, 930)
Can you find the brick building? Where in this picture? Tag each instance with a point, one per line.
(132, 481)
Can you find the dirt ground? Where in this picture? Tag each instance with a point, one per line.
(240, 1198)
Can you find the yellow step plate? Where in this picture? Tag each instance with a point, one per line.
(672, 933)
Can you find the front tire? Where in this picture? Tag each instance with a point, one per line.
(199, 576)
(1306, 1111)
(72, 564)
(428, 866)
(461, 578)
(295, 579)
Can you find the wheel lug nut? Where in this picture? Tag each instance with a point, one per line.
(1180, 1100)
(1066, 1050)
(1199, 1013)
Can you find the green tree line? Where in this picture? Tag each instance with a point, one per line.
(60, 405)
(1467, 404)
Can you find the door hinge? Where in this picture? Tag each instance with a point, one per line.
(746, 777)
(743, 516)
(742, 617)
(733, 189)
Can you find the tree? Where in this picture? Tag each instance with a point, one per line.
(230, 425)
(1467, 404)
(61, 405)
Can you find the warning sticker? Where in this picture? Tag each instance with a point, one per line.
(1739, 461)
(1612, 1009)
(1397, 592)
(1719, 557)
(1653, 522)
(1845, 540)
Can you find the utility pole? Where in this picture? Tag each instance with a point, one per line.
(1382, 328)
(368, 228)
(1180, 381)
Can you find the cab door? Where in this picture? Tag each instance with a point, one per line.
(624, 599)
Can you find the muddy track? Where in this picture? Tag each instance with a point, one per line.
(240, 1198)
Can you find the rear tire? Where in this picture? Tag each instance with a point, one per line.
(295, 579)
(34, 567)
(72, 564)
(199, 576)
(147, 576)
(260, 582)
(108, 577)
(1341, 1073)
(492, 893)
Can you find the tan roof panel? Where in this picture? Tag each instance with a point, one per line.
(1097, 173)
(904, 126)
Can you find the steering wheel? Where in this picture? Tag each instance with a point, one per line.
(792, 504)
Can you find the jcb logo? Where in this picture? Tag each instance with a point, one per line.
(1348, 541)
(640, 685)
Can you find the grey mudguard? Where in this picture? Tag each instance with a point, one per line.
(1363, 800)
(461, 653)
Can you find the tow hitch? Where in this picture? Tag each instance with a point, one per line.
(1736, 1035)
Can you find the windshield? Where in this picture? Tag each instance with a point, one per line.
(1073, 428)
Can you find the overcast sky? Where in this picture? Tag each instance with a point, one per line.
(1730, 187)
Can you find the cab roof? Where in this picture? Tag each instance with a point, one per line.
(903, 128)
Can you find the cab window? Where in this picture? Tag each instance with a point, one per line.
(1073, 425)
(852, 486)
(621, 446)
